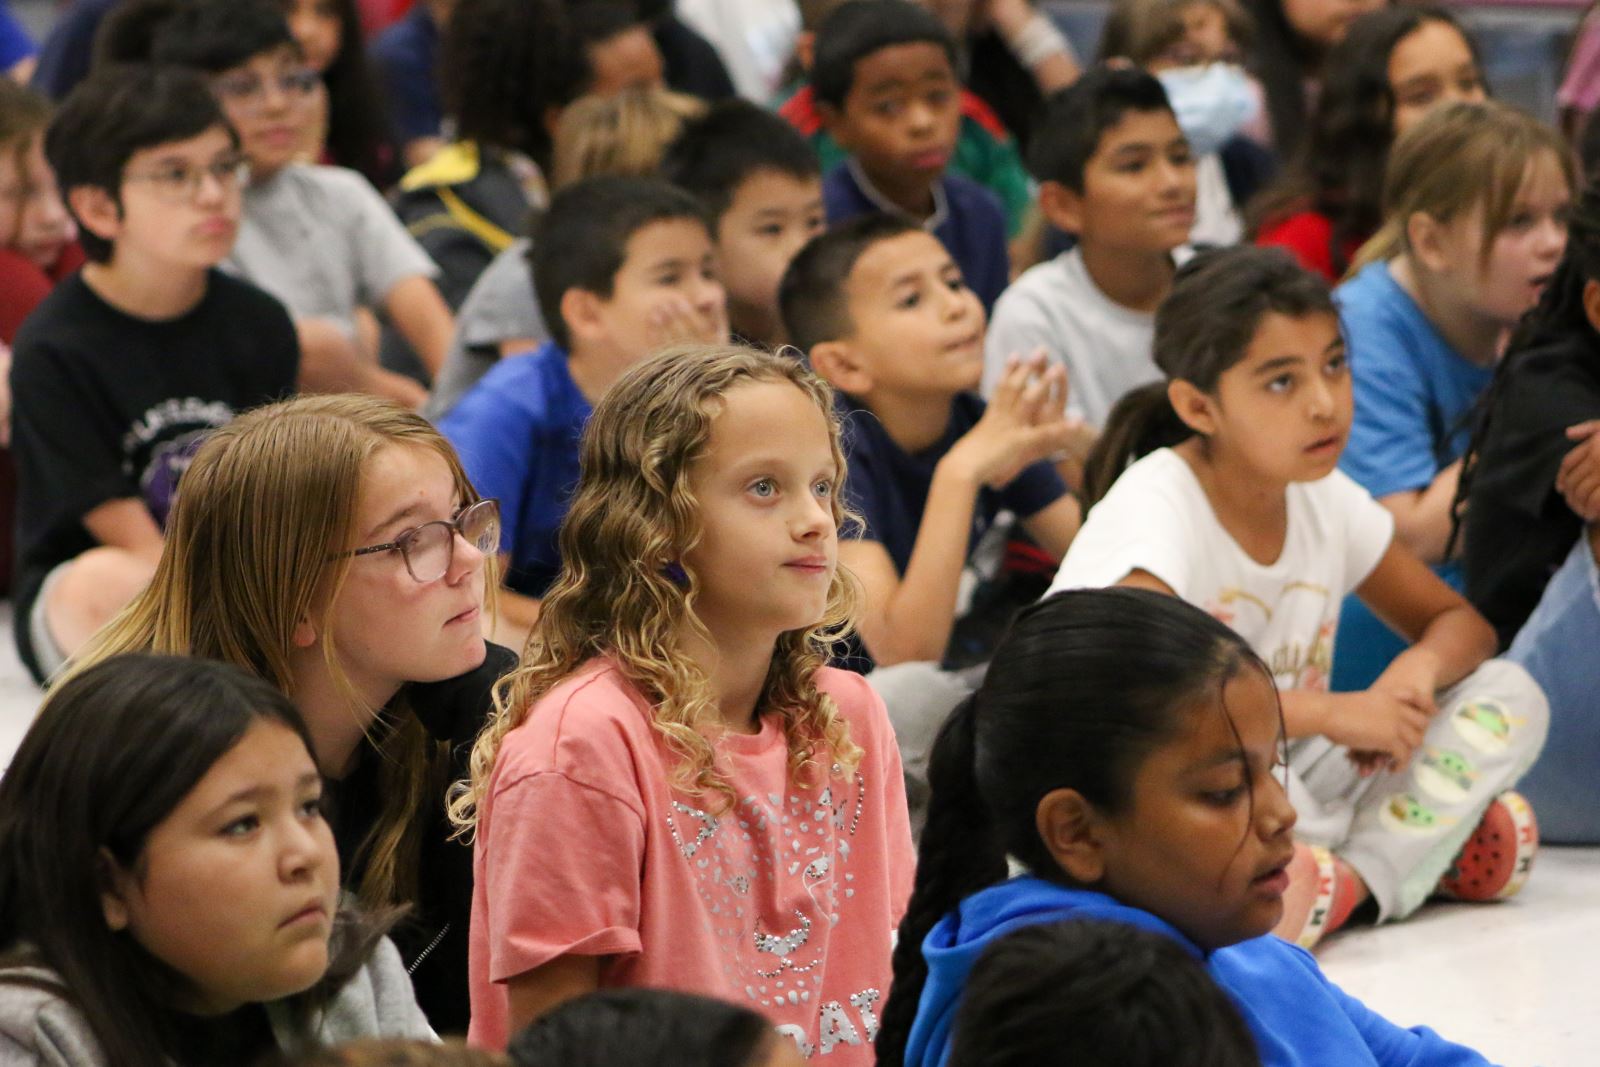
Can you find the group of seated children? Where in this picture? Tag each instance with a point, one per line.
(726, 443)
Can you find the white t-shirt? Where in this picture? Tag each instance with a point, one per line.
(1157, 518)
(1057, 307)
(1216, 219)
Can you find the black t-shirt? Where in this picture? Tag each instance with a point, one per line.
(107, 406)
(1517, 529)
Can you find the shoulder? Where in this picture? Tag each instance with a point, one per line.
(1040, 284)
(230, 292)
(590, 729)
(378, 1001)
(1372, 298)
(529, 387)
(1296, 227)
(981, 115)
(39, 1025)
(69, 308)
(340, 185)
(968, 197)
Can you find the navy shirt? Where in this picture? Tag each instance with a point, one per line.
(967, 218)
(518, 431)
(888, 486)
(406, 56)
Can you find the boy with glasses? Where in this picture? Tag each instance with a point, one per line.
(126, 366)
(318, 238)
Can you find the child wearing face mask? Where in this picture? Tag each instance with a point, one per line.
(1475, 221)
(675, 791)
(1237, 506)
(169, 888)
(1144, 793)
(1393, 67)
(1194, 48)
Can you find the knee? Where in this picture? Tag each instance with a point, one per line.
(1526, 706)
(97, 585)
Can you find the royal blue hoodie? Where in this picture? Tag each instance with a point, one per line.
(1298, 1017)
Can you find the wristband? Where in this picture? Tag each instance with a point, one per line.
(1037, 41)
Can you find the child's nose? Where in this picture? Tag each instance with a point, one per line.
(1274, 814)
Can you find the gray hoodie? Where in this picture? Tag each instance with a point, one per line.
(38, 1026)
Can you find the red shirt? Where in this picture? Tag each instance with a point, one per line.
(1308, 235)
(23, 285)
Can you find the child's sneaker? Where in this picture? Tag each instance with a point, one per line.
(1323, 891)
(1495, 861)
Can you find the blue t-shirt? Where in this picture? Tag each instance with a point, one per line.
(15, 44)
(407, 56)
(1413, 391)
(518, 431)
(968, 219)
(888, 486)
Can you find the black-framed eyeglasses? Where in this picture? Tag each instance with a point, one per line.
(181, 183)
(429, 549)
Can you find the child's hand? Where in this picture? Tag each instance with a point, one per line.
(1578, 481)
(1413, 677)
(1380, 730)
(1025, 422)
(675, 321)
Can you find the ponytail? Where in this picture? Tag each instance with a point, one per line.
(1141, 422)
(960, 854)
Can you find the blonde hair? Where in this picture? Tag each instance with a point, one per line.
(1141, 30)
(1459, 157)
(625, 133)
(249, 552)
(633, 518)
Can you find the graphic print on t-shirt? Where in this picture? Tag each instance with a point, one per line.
(1294, 663)
(161, 443)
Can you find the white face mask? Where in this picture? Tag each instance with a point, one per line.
(1212, 103)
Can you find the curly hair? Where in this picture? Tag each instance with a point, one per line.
(619, 594)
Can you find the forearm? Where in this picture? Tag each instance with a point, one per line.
(423, 319)
(916, 621)
(1304, 712)
(1459, 640)
(1422, 517)
(1038, 44)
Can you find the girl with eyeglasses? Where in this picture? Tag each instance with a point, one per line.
(334, 547)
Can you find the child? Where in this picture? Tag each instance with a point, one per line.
(883, 311)
(621, 267)
(389, 671)
(1391, 69)
(37, 246)
(652, 1028)
(1142, 793)
(1087, 993)
(1528, 523)
(318, 238)
(406, 58)
(1288, 56)
(1117, 171)
(886, 89)
(675, 791)
(1247, 516)
(1194, 47)
(759, 183)
(624, 135)
(507, 66)
(353, 130)
(169, 890)
(125, 366)
(1475, 220)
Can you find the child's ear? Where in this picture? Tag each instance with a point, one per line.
(833, 122)
(1591, 303)
(113, 885)
(841, 366)
(1061, 206)
(96, 211)
(1070, 828)
(1195, 408)
(304, 634)
(1425, 240)
(581, 311)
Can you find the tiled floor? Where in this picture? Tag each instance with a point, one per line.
(1519, 980)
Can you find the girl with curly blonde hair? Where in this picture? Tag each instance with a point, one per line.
(675, 791)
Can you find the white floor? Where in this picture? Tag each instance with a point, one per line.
(1519, 980)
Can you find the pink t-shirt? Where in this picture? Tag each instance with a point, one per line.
(784, 904)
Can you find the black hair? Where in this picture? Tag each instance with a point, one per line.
(735, 139)
(597, 21)
(218, 35)
(1077, 117)
(116, 112)
(1095, 994)
(582, 240)
(1339, 170)
(813, 296)
(1204, 326)
(643, 1028)
(504, 65)
(1083, 688)
(855, 30)
(359, 134)
(1559, 314)
(1282, 60)
(113, 751)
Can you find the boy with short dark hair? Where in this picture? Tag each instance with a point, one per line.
(318, 238)
(126, 366)
(882, 310)
(621, 267)
(1116, 171)
(760, 185)
(884, 77)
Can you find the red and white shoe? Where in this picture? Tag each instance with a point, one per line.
(1323, 892)
(1497, 858)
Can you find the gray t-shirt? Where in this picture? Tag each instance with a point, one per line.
(323, 242)
(500, 307)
